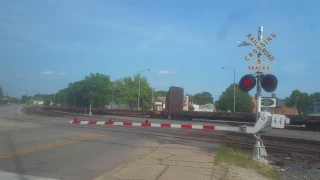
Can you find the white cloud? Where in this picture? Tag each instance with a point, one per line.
(164, 72)
(61, 74)
(47, 72)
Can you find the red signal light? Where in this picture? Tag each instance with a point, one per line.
(269, 82)
(247, 83)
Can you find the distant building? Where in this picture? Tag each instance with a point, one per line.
(205, 108)
(37, 100)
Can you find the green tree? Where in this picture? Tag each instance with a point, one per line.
(127, 90)
(37, 97)
(47, 99)
(1, 92)
(14, 100)
(79, 93)
(203, 98)
(315, 97)
(24, 98)
(160, 93)
(145, 106)
(102, 88)
(62, 97)
(1, 96)
(243, 100)
(300, 100)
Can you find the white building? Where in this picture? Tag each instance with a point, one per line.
(205, 108)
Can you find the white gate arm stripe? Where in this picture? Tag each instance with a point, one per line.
(147, 124)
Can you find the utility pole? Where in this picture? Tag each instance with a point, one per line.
(152, 98)
(26, 96)
(92, 92)
(140, 87)
(295, 104)
(112, 95)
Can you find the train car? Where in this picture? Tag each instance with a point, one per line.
(313, 121)
(179, 107)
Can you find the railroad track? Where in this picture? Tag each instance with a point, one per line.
(278, 144)
(245, 141)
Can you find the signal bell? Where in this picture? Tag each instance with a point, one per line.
(269, 82)
(247, 83)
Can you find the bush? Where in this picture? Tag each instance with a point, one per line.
(145, 106)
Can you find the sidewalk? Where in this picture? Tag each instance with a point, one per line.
(175, 162)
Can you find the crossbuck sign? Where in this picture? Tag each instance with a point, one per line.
(260, 47)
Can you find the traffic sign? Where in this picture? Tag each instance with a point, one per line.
(268, 102)
(260, 47)
(259, 68)
(278, 121)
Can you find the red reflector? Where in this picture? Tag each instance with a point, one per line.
(208, 127)
(127, 123)
(76, 122)
(187, 126)
(165, 125)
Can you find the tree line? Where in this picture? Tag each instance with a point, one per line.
(5, 99)
(125, 91)
(301, 100)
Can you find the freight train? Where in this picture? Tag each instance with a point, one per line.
(177, 109)
(176, 106)
(180, 107)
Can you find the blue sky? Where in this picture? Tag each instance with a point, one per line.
(45, 44)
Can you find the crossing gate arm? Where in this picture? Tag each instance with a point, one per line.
(265, 122)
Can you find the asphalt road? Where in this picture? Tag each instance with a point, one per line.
(50, 147)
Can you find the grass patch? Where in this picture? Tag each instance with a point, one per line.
(238, 158)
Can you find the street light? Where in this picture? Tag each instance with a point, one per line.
(112, 95)
(234, 87)
(295, 105)
(139, 87)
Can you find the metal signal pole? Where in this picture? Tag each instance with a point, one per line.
(140, 87)
(259, 150)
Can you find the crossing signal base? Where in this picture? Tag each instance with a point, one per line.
(259, 67)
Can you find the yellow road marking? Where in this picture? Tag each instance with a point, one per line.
(24, 151)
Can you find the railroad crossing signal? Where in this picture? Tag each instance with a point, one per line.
(269, 82)
(247, 83)
(260, 47)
